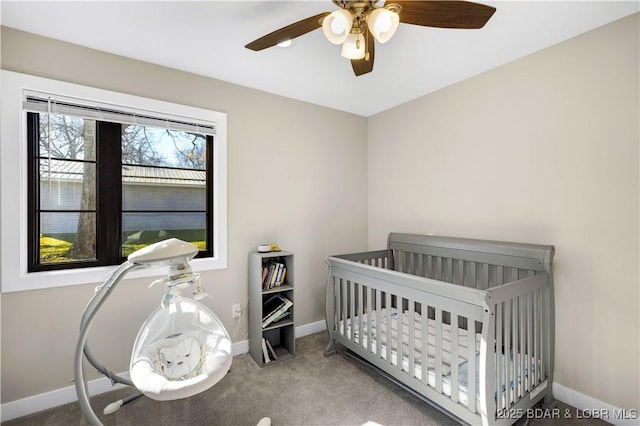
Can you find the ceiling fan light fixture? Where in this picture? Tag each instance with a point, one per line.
(354, 46)
(337, 26)
(383, 23)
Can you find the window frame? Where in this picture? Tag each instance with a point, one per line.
(14, 183)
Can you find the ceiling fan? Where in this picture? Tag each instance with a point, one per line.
(359, 23)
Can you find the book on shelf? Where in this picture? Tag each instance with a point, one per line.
(265, 351)
(265, 272)
(282, 316)
(271, 305)
(273, 275)
(274, 308)
(270, 349)
(284, 272)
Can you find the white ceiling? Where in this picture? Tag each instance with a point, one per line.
(208, 38)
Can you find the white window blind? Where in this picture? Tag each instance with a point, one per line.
(56, 104)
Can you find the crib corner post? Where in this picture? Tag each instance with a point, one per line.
(549, 402)
(549, 322)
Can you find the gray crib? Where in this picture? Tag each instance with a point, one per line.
(466, 324)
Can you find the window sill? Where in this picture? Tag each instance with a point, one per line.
(97, 275)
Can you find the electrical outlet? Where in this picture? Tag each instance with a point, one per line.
(236, 311)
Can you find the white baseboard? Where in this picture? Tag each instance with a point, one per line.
(33, 404)
(594, 408)
(54, 398)
(314, 327)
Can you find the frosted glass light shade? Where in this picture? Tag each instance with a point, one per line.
(353, 47)
(337, 25)
(383, 24)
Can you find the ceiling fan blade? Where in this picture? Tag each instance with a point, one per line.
(365, 65)
(445, 14)
(288, 33)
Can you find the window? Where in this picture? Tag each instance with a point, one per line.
(101, 190)
(105, 174)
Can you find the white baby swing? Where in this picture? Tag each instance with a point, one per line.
(181, 349)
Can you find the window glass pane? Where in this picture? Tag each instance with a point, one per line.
(67, 185)
(72, 138)
(142, 229)
(163, 189)
(67, 237)
(153, 146)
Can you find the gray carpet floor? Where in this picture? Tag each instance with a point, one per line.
(307, 390)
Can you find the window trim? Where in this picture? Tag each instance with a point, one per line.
(14, 182)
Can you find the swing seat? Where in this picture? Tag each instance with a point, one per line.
(181, 350)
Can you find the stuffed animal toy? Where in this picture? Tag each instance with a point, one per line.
(180, 361)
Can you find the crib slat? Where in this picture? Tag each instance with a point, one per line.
(499, 349)
(424, 334)
(338, 300)
(514, 351)
(534, 339)
(471, 362)
(438, 349)
(531, 370)
(370, 347)
(378, 324)
(389, 328)
(449, 269)
(443, 269)
(400, 334)
(472, 274)
(517, 349)
(484, 281)
(507, 353)
(343, 309)
(521, 375)
(412, 263)
(336, 303)
(352, 310)
(411, 322)
(455, 361)
(515, 338)
(361, 314)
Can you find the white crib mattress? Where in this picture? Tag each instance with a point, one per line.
(446, 338)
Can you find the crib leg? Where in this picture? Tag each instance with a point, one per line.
(549, 401)
(331, 347)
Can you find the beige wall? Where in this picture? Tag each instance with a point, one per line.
(290, 181)
(541, 150)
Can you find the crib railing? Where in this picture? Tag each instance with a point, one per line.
(406, 350)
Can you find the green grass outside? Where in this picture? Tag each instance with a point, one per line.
(54, 250)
